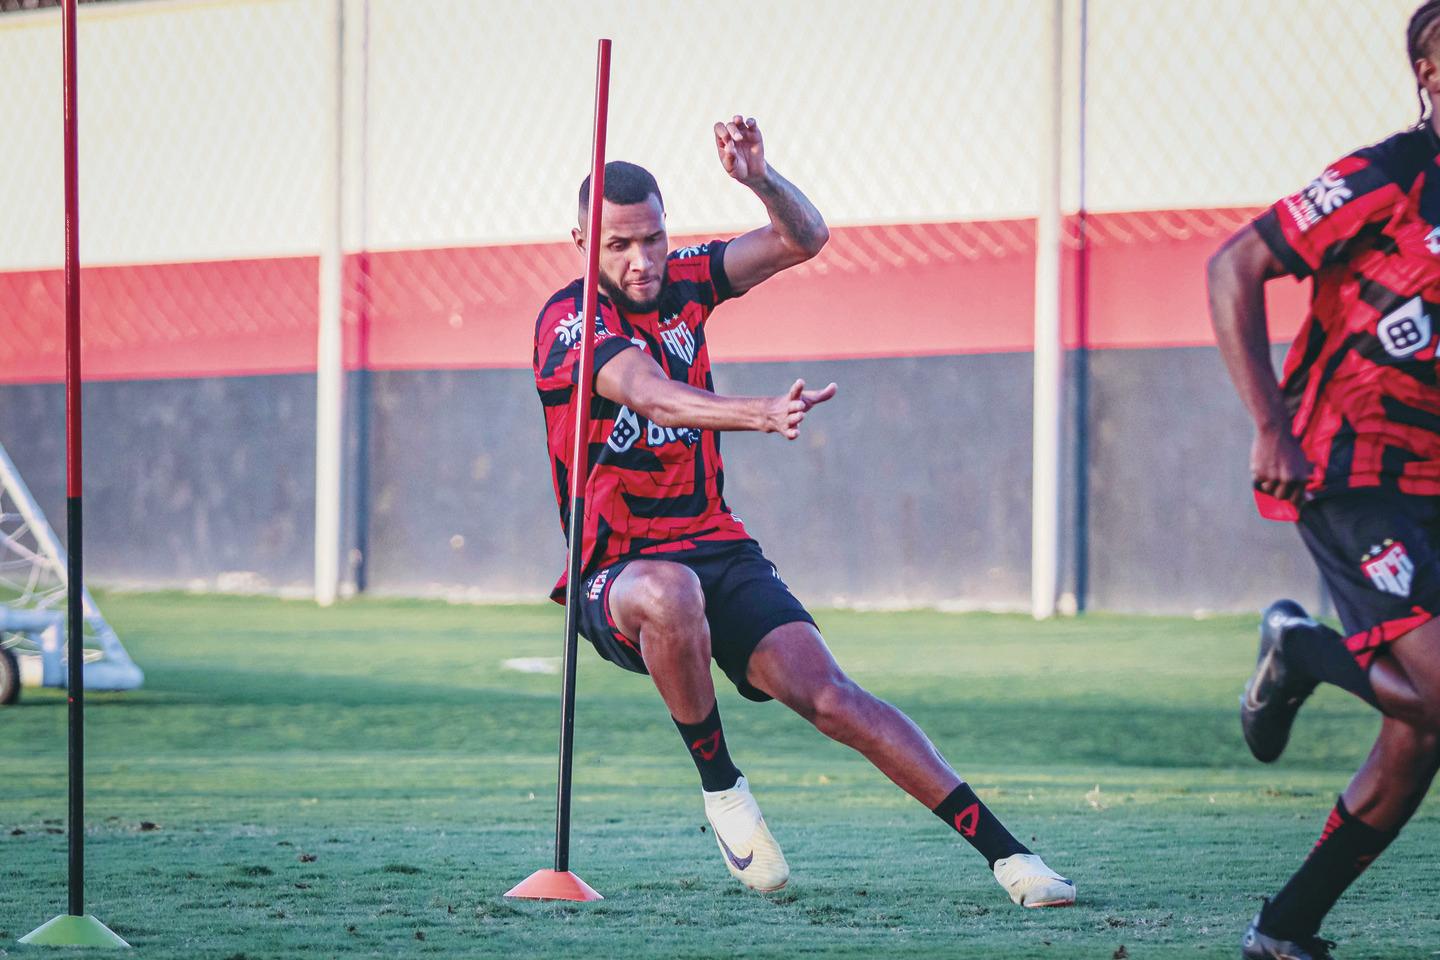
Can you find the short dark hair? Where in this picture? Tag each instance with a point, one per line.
(624, 183)
(1420, 37)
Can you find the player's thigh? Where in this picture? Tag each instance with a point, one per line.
(747, 603)
(1417, 652)
(656, 594)
(1417, 655)
(794, 665)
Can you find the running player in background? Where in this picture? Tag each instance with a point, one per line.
(672, 578)
(1348, 444)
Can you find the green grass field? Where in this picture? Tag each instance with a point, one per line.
(368, 781)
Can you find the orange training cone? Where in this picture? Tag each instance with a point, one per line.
(553, 885)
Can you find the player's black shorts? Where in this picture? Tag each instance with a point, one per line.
(1379, 551)
(744, 600)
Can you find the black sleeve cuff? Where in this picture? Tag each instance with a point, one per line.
(1268, 226)
(608, 350)
(718, 277)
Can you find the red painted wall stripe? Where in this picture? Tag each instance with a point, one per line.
(876, 291)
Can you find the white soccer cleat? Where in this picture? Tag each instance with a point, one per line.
(1032, 884)
(751, 854)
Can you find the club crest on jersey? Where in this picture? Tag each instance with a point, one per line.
(681, 342)
(1405, 331)
(1389, 568)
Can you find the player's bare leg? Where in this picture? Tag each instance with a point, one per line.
(661, 605)
(1380, 799)
(794, 665)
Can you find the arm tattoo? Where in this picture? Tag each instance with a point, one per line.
(792, 214)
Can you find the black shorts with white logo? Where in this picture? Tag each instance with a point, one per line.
(1379, 552)
(744, 600)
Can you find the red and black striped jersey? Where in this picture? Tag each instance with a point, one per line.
(1360, 379)
(651, 489)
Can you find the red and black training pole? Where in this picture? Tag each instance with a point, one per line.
(75, 928)
(560, 883)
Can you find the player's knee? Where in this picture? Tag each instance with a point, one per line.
(835, 708)
(668, 599)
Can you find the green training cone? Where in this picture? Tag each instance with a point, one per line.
(70, 931)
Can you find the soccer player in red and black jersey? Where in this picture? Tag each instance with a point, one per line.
(672, 578)
(1348, 445)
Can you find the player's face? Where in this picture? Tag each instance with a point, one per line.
(633, 245)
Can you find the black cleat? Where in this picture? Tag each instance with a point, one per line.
(1275, 691)
(1258, 945)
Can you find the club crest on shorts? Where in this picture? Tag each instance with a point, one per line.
(596, 586)
(1389, 568)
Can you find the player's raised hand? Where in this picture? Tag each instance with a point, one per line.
(1279, 466)
(786, 413)
(741, 149)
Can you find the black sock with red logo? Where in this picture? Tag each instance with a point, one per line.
(706, 742)
(1320, 652)
(974, 821)
(1345, 848)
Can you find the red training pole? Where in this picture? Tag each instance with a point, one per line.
(580, 456)
(75, 583)
(73, 928)
(560, 883)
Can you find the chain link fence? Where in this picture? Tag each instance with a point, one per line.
(199, 181)
(468, 124)
(1198, 114)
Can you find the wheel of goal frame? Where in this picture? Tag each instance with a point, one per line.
(9, 677)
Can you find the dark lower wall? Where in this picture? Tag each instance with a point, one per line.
(1172, 521)
(187, 482)
(911, 487)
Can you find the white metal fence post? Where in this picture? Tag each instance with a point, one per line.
(1049, 348)
(329, 361)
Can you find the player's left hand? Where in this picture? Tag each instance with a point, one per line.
(741, 149)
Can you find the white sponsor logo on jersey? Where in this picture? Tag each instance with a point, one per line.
(568, 330)
(1328, 192)
(1405, 331)
(625, 432)
(1324, 195)
(658, 436)
(1390, 568)
(1432, 241)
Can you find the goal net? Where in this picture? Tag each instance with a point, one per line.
(33, 577)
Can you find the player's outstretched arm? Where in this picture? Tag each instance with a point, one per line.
(1236, 277)
(796, 231)
(632, 378)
